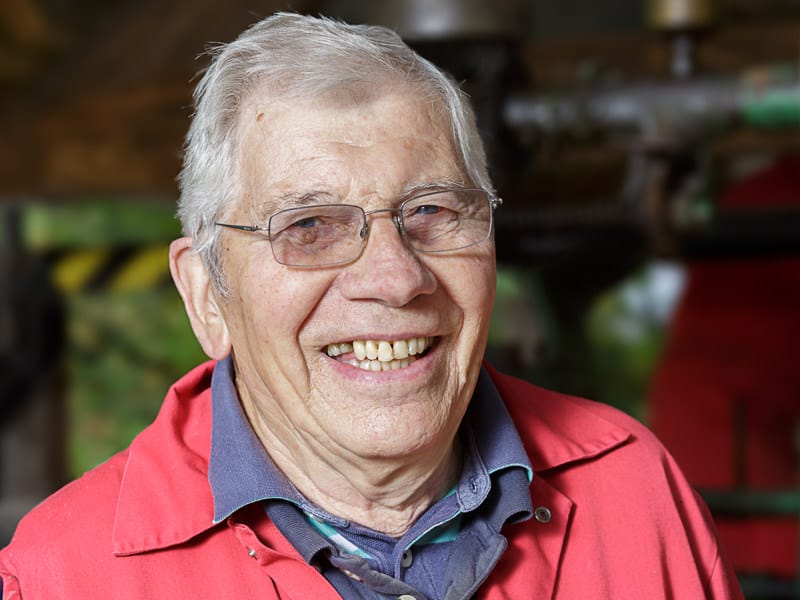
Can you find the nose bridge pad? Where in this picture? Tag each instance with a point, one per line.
(398, 223)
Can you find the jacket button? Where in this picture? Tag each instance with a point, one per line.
(542, 514)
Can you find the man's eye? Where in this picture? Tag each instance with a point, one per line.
(306, 222)
(427, 209)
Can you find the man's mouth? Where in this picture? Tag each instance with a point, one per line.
(380, 355)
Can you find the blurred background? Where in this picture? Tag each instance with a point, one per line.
(648, 153)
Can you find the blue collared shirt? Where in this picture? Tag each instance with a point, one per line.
(449, 550)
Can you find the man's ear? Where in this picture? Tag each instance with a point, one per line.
(194, 286)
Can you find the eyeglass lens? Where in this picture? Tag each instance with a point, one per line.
(330, 234)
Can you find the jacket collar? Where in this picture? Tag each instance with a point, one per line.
(165, 498)
(557, 429)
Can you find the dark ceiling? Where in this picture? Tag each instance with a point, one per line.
(96, 93)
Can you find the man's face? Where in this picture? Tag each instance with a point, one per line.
(283, 321)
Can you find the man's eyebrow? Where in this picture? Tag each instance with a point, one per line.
(295, 200)
(443, 183)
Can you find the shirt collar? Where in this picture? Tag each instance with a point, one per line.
(241, 472)
(496, 437)
(491, 444)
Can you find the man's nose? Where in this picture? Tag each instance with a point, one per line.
(388, 270)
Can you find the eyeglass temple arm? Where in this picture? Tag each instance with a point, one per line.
(240, 227)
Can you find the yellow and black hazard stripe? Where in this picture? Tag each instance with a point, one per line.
(117, 269)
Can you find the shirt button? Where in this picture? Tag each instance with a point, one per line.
(351, 575)
(542, 514)
(406, 560)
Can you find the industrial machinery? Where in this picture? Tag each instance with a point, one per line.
(663, 203)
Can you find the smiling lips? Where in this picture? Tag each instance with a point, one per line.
(379, 355)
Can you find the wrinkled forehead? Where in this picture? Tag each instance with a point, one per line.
(280, 134)
(269, 101)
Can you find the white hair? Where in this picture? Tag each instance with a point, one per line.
(292, 56)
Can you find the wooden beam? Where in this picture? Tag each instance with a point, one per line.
(123, 142)
(26, 24)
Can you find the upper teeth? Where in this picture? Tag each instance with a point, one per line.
(381, 350)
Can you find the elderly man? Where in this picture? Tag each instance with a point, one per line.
(347, 441)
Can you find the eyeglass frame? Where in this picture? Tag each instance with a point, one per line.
(397, 218)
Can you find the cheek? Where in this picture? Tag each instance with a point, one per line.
(277, 302)
(471, 285)
(270, 308)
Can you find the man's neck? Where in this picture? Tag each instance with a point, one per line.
(384, 494)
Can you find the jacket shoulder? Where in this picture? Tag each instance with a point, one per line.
(85, 504)
(558, 428)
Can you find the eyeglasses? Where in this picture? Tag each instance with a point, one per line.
(334, 234)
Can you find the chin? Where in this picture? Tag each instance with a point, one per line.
(402, 431)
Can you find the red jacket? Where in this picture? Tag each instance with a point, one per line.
(624, 523)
